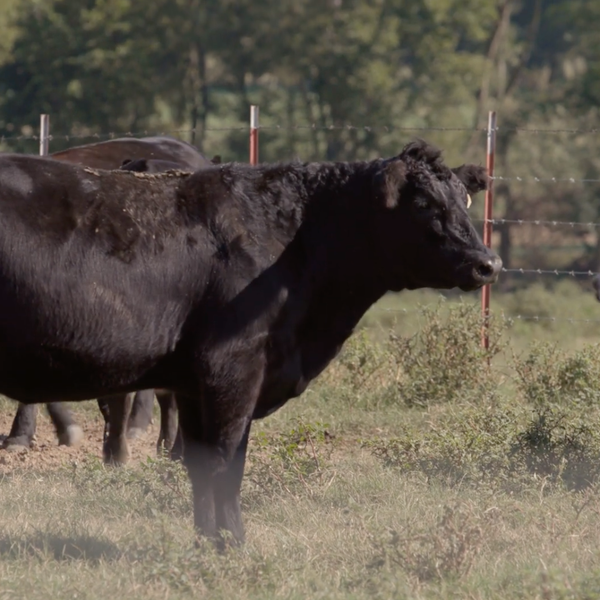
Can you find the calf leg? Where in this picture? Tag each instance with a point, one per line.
(116, 449)
(68, 432)
(141, 413)
(23, 428)
(168, 421)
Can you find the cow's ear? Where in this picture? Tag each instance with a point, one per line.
(389, 181)
(473, 177)
(139, 165)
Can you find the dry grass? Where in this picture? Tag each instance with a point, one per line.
(355, 530)
(349, 493)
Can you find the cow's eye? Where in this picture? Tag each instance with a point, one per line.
(425, 207)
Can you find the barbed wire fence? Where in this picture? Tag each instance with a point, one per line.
(295, 127)
(488, 222)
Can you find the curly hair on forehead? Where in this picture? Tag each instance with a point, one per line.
(422, 156)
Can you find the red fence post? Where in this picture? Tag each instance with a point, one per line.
(44, 134)
(487, 223)
(254, 135)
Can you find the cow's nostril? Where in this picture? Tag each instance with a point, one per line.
(485, 270)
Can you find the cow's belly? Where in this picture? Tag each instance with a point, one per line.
(76, 354)
(28, 375)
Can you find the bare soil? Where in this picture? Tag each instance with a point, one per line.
(45, 453)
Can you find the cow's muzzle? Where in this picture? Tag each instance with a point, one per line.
(483, 269)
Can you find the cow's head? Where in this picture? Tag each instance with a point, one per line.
(139, 165)
(423, 234)
(151, 165)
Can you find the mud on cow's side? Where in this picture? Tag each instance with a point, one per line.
(130, 415)
(234, 286)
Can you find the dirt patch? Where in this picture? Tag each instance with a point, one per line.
(46, 453)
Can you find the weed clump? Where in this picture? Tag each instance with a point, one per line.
(289, 462)
(546, 376)
(444, 362)
(446, 549)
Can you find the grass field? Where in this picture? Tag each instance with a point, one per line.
(410, 469)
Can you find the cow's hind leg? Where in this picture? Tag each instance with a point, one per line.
(116, 448)
(141, 413)
(168, 421)
(23, 428)
(67, 431)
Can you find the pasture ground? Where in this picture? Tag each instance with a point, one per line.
(409, 470)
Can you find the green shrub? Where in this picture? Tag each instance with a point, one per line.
(359, 377)
(445, 361)
(503, 446)
(546, 376)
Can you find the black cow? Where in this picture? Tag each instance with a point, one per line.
(144, 165)
(157, 154)
(115, 451)
(111, 153)
(233, 287)
(122, 413)
(24, 426)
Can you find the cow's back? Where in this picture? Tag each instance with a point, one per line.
(111, 153)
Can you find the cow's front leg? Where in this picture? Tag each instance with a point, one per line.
(22, 429)
(227, 489)
(197, 460)
(215, 434)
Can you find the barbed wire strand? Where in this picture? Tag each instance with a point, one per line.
(539, 222)
(535, 179)
(570, 273)
(295, 127)
(538, 318)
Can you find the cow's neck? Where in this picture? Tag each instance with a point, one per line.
(331, 192)
(336, 279)
(287, 201)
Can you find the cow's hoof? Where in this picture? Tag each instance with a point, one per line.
(134, 433)
(72, 436)
(115, 452)
(115, 460)
(15, 445)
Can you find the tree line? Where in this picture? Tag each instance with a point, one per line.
(335, 80)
